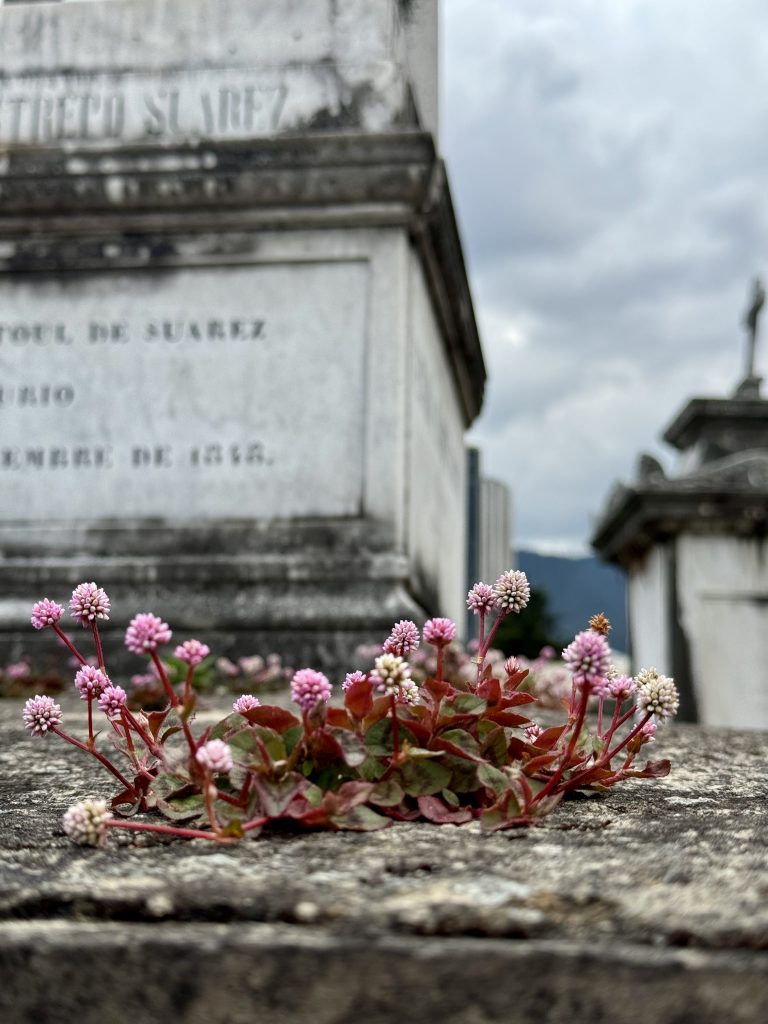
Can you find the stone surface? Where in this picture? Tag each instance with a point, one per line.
(238, 351)
(646, 906)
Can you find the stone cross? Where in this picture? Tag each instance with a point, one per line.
(751, 318)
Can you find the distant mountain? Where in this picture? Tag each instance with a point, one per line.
(577, 588)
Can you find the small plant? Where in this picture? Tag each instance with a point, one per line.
(393, 750)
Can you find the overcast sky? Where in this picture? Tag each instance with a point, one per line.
(609, 163)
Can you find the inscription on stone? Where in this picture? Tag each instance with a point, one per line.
(207, 392)
(180, 105)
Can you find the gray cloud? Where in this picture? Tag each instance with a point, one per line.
(608, 162)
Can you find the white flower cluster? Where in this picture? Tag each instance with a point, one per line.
(391, 674)
(656, 694)
(86, 822)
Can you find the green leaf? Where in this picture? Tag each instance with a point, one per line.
(463, 774)
(225, 726)
(450, 798)
(352, 748)
(182, 808)
(168, 784)
(422, 778)
(460, 743)
(378, 739)
(276, 794)
(387, 794)
(493, 778)
(372, 769)
(466, 703)
(360, 819)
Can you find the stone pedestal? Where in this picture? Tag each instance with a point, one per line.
(237, 343)
(694, 545)
(642, 906)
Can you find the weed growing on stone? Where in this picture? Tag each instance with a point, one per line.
(392, 750)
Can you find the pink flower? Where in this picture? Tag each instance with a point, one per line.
(112, 701)
(621, 687)
(86, 822)
(512, 591)
(351, 678)
(246, 703)
(145, 633)
(191, 651)
(40, 715)
(91, 682)
(88, 603)
(215, 756)
(17, 670)
(511, 665)
(309, 687)
(481, 598)
(439, 632)
(588, 657)
(46, 613)
(403, 638)
(648, 731)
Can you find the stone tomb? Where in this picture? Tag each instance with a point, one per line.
(237, 347)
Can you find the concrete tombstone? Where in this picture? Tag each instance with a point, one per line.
(237, 347)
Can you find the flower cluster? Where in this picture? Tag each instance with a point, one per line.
(439, 632)
(86, 822)
(512, 591)
(246, 703)
(88, 604)
(481, 598)
(191, 651)
(215, 756)
(145, 633)
(391, 674)
(41, 714)
(112, 701)
(308, 688)
(656, 694)
(588, 657)
(46, 613)
(403, 639)
(91, 682)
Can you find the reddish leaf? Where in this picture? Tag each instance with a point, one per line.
(490, 690)
(155, 721)
(536, 763)
(433, 809)
(515, 700)
(652, 770)
(437, 689)
(549, 737)
(339, 718)
(508, 718)
(358, 699)
(514, 681)
(460, 743)
(273, 717)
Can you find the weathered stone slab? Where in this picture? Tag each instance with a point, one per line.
(646, 907)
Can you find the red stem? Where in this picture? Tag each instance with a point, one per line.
(395, 728)
(90, 720)
(560, 771)
(173, 697)
(144, 736)
(605, 759)
(168, 830)
(68, 642)
(100, 757)
(97, 642)
(439, 664)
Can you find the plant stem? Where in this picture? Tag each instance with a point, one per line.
(90, 720)
(562, 766)
(209, 796)
(168, 830)
(97, 642)
(395, 728)
(606, 758)
(173, 698)
(439, 664)
(63, 637)
(99, 756)
(144, 736)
